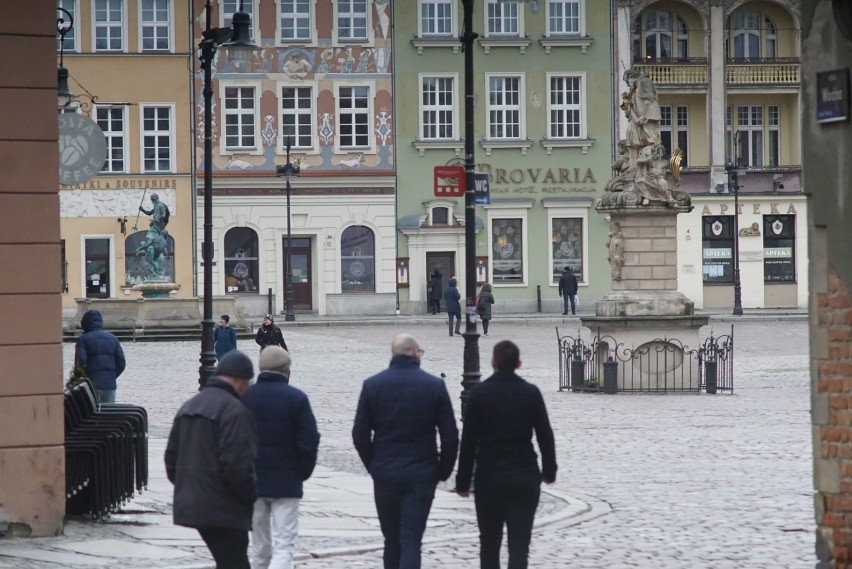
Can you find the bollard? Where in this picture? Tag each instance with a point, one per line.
(269, 301)
(538, 295)
(578, 374)
(710, 376)
(610, 377)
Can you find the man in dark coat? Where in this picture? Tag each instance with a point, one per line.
(502, 414)
(394, 433)
(436, 286)
(286, 456)
(568, 289)
(210, 460)
(100, 355)
(269, 334)
(452, 299)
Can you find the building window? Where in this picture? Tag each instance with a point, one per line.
(297, 116)
(662, 35)
(565, 107)
(354, 117)
(63, 266)
(440, 216)
(756, 136)
(507, 250)
(135, 267)
(352, 20)
(750, 40)
(155, 25)
(241, 263)
(111, 120)
(773, 143)
(97, 267)
(504, 106)
(503, 18)
(240, 118)
(567, 247)
(109, 25)
(674, 129)
(779, 242)
(436, 17)
(71, 35)
(563, 17)
(717, 242)
(157, 139)
(229, 7)
(438, 108)
(357, 251)
(295, 21)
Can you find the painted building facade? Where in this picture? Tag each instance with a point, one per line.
(322, 81)
(128, 67)
(543, 124)
(728, 81)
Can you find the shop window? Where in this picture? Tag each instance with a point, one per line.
(135, 267)
(779, 246)
(241, 267)
(507, 251)
(717, 243)
(357, 259)
(97, 267)
(567, 247)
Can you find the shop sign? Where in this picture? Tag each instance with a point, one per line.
(833, 95)
(82, 148)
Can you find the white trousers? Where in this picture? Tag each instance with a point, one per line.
(275, 526)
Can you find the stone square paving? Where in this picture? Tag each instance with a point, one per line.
(657, 481)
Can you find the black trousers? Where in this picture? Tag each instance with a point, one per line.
(511, 503)
(457, 316)
(435, 305)
(403, 509)
(229, 546)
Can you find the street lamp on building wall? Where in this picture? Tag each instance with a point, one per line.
(287, 171)
(236, 39)
(733, 186)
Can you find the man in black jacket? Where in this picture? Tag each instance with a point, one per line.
(210, 460)
(568, 289)
(508, 480)
(394, 432)
(269, 334)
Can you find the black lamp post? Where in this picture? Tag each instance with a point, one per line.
(238, 39)
(288, 171)
(470, 374)
(63, 93)
(733, 185)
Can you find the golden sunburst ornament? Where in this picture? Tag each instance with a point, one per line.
(674, 164)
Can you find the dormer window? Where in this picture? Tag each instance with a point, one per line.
(440, 216)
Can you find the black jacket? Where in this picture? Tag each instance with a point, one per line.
(210, 459)
(287, 436)
(568, 284)
(437, 285)
(502, 414)
(394, 432)
(452, 298)
(270, 336)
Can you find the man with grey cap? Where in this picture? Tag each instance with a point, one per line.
(210, 460)
(286, 456)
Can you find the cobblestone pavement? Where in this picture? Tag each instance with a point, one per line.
(674, 481)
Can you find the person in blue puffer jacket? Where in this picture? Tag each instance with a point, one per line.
(100, 355)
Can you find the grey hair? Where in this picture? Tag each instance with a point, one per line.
(404, 345)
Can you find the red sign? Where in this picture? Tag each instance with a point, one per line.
(449, 181)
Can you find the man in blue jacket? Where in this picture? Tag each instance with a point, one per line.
(100, 355)
(394, 432)
(286, 456)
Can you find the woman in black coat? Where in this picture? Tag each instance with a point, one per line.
(436, 286)
(452, 298)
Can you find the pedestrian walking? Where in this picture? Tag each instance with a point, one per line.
(100, 355)
(210, 460)
(451, 299)
(568, 290)
(508, 479)
(394, 433)
(269, 334)
(286, 456)
(436, 291)
(484, 300)
(224, 337)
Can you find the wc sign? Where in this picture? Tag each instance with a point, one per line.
(482, 188)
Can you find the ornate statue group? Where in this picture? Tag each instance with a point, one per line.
(155, 242)
(641, 167)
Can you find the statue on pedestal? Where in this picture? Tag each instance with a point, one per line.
(156, 240)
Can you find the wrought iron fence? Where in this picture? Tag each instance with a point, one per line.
(661, 365)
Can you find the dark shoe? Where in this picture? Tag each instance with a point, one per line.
(573, 314)
(564, 314)
(458, 333)
(451, 334)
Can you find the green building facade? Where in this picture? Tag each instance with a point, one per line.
(543, 124)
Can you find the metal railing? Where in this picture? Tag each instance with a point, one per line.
(660, 366)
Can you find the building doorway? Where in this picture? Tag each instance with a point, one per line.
(97, 260)
(300, 269)
(445, 262)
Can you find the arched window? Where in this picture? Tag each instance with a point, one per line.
(663, 35)
(746, 27)
(771, 38)
(135, 267)
(241, 263)
(357, 259)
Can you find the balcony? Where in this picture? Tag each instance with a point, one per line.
(686, 72)
(760, 72)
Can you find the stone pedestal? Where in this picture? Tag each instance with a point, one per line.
(156, 313)
(156, 288)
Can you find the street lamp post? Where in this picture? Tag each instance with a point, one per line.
(236, 38)
(733, 185)
(470, 374)
(288, 171)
